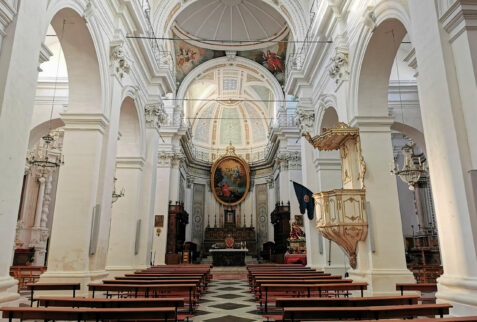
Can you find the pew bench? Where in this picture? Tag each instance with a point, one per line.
(174, 302)
(421, 287)
(151, 290)
(367, 312)
(301, 290)
(91, 314)
(51, 287)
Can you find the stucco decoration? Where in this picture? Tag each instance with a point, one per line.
(155, 115)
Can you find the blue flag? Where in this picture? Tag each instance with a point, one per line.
(305, 199)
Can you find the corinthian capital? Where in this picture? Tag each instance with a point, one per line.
(155, 115)
(305, 120)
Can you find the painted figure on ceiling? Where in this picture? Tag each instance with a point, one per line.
(273, 61)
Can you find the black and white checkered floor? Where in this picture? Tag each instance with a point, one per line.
(227, 301)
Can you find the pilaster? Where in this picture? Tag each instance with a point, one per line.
(375, 264)
(19, 53)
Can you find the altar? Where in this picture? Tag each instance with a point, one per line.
(228, 257)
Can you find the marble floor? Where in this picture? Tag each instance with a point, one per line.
(227, 300)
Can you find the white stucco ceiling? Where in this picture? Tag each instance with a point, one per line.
(231, 20)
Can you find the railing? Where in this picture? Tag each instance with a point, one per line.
(297, 58)
(163, 58)
(205, 155)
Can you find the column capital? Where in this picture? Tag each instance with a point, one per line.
(305, 120)
(169, 159)
(155, 115)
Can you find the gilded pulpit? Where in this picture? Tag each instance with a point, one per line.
(341, 213)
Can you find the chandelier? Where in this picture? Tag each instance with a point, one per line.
(44, 156)
(410, 172)
(117, 195)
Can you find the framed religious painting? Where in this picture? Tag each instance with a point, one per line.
(230, 179)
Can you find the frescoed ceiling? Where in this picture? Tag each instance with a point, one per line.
(231, 105)
(251, 28)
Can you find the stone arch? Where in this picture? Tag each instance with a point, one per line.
(84, 58)
(130, 130)
(42, 129)
(411, 132)
(327, 104)
(276, 87)
(373, 59)
(326, 117)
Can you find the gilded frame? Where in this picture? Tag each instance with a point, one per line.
(213, 170)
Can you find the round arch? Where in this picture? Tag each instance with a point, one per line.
(411, 132)
(42, 129)
(373, 59)
(130, 143)
(236, 62)
(85, 54)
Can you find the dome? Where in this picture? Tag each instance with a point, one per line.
(231, 105)
(231, 20)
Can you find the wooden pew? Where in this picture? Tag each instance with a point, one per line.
(366, 312)
(306, 290)
(421, 287)
(92, 314)
(257, 286)
(175, 302)
(147, 290)
(283, 302)
(51, 287)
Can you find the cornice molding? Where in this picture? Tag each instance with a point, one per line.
(459, 17)
(85, 122)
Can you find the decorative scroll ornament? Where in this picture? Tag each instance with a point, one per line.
(339, 67)
(119, 61)
(155, 115)
(341, 213)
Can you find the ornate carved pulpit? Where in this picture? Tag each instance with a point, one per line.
(341, 213)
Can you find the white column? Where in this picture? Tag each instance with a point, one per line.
(314, 241)
(124, 217)
(161, 207)
(69, 252)
(143, 258)
(328, 169)
(39, 202)
(19, 56)
(386, 265)
(448, 116)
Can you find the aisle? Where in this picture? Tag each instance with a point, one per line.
(227, 300)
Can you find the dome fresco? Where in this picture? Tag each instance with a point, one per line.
(232, 105)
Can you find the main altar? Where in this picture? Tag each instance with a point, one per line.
(230, 242)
